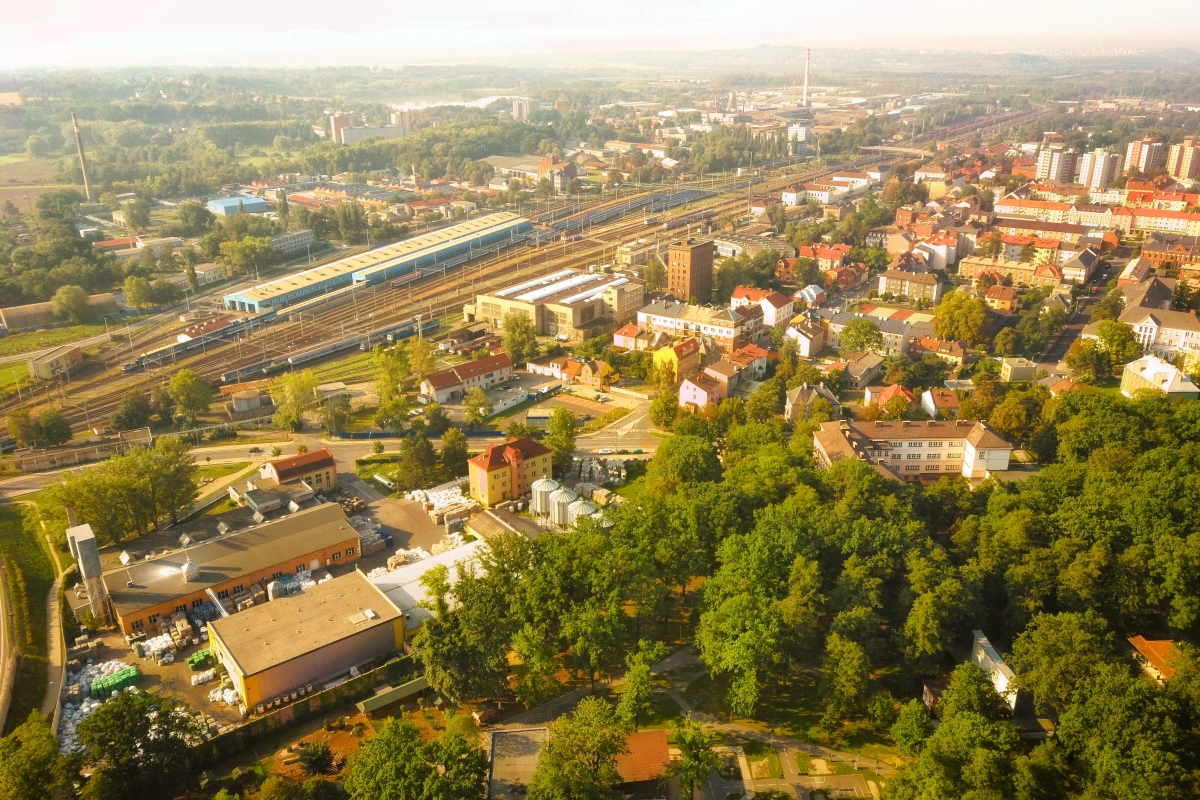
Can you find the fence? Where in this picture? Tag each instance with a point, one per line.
(237, 740)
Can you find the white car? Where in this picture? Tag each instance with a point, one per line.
(604, 451)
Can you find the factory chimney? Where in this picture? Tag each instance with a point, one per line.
(807, 57)
(87, 182)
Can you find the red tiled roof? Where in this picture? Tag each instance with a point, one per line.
(293, 466)
(629, 330)
(895, 390)
(778, 300)
(647, 758)
(1158, 652)
(482, 366)
(497, 455)
(442, 380)
(750, 293)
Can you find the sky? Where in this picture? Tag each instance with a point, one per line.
(70, 33)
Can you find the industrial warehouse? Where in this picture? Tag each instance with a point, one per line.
(229, 566)
(569, 304)
(384, 263)
(306, 638)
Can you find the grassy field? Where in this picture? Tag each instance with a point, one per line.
(30, 574)
(604, 420)
(355, 367)
(12, 158)
(215, 471)
(36, 340)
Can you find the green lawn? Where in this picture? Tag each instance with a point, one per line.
(13, 158)
(354, 367)
(30, 575)
(756, 753)
(216, 471)
(37, 340)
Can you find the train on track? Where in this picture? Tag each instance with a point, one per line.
(171, 352)
(689, 219)
(391, 333)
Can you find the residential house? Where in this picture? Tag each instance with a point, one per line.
(683, 358)
(861, 368)
(798, 402)
(728, 328)
(1155, 657)
(507, 471)
(700, 391)
(812, 294)
(776, 307)
(896, 333)
(631, 337)
(1002, 298)
(753, 361)
(809, 338)
(915, 450)
(915, 286)
(939, 403)
(725, 372)
(882, 395)
(317, 468)
(454, 383)
(948, 350)
(1154, 374)
(1017, 369)
(1160, 332)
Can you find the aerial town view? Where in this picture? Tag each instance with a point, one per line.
(540, 401)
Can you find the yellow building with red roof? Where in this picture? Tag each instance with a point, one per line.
(507, 471)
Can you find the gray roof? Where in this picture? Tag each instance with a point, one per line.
(236, 554)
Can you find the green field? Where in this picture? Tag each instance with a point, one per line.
(216, 471)
(13, 158)
(29, 574)
(36, 340)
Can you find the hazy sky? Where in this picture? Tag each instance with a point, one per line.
(313, 32)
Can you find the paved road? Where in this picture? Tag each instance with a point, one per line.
(1052, 359)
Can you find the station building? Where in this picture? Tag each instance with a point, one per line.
(429, 250)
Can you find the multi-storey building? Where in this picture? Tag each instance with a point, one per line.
(915, 450)
(568, 304)
(897, 334)
(454, 383)
(1098, 168)
(728, 328)
(1056, 164)
(913, 285)
(1183, 160)
(506, 471)
(776, 307)
(1151, 372)
(690, 270)
(1145, 155)
(1042, 210)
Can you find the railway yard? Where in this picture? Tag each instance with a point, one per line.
(576, 235)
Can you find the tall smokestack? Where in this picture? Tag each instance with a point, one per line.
(807, 56)
(87, 182)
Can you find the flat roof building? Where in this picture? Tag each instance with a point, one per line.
(228, 206)
(384, 263)
(569, 304)
(306, 638)
(54, 363)
(690, 270)
(229, 565)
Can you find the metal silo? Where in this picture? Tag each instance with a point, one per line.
(540, 501)
(578, 509)
(560, 500)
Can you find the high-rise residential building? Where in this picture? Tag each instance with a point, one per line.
(400, 119)
(1056, 164)
(563, 107)
(1145, 155)
(1183, 161)
(1098, 168)
(337, 124)
(520, 109)
(690, 270)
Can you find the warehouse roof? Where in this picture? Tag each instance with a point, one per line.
(269, 635)
(159, 580)
(404, 588)
(380, 257)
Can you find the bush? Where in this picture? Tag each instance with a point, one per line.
(316, 758)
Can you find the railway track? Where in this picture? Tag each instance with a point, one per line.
(375, 306)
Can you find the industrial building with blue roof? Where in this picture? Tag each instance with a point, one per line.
(228, 206)
(431, 250)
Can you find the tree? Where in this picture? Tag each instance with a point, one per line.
(962, 318)
(275, 787)
(970, 690)
(192, 395)
(137, 214)
(1057, 655)
(137, 292)
(294, 395)
(664, 409)
(1028, 253)
(990, 246)
(637, 698)
(132, 412)
(140, 743)
(21, 427)
(396, 765)
(683, 460)
(861, 334)
(698, 759)
(421, 357)
(767, 401)
(1119, 340)
(1005, 342)
(454, 452)
(71, 303)
(1088, 361)
(248, 256)
(579, 762)
(391, 372)
(881, 710)
(520, 337)
(393, 414)
(477, 406)
(48, 429)
(31, 767)
(316, 758)
(335, 414)
(160, 402)
(654, 274)
(560, 437)
(911, 728)
(845, 674)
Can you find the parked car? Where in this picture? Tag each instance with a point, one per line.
(255, 449)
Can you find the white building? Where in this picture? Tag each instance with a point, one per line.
(1151, 372)
(1098, 168)
(1160, 332)
(915, 450)
(776, 307)
(986, 657)
(293, 242)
